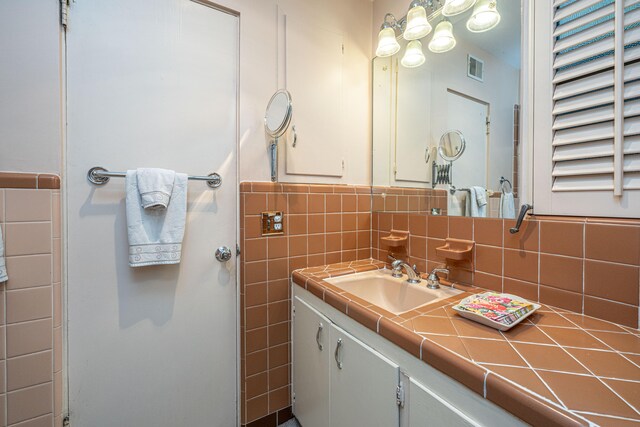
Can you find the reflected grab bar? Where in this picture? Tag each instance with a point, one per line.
(523, 211)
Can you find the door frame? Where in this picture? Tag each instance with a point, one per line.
(64, 204)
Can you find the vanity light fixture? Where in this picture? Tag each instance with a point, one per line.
(455, 7)
(443, 39)
(485, 16)
(417, 23)
(413, 56)
(387, 43)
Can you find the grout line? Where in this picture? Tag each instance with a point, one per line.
(536, 374)
(607, 416)
(589, 370)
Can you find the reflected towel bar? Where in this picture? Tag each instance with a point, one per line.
(100, 176)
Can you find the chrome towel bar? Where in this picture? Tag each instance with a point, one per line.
(100, 176)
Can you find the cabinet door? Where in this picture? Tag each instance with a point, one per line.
(311, 365)
(363, 384)
(427, 409)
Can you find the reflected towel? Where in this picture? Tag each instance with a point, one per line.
(457, 204)
(507, 206)
(3, 266)
(155, 236)
(155, 187)
(477, 202)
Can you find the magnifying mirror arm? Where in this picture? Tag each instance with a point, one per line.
(273, 154)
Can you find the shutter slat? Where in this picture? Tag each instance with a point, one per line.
(583, 20)
(594, 82)
(589, 67)
(581, 118)
(631, 163)
(584, 183)
(586, 150)
(583, 53)
(631, 126)
(588, 100)
(584, 36)
(595, 166)
(595, 49)
(587, 133)
(632, 144)
(576, 7)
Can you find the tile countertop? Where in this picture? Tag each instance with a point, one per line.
(555, 368)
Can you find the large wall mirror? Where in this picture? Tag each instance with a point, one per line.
(447, 131)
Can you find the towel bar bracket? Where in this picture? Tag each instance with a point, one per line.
(100, 176)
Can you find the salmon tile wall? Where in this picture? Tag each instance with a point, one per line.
(397, 199)
(586, 265)
(30, 304)
(324, 224)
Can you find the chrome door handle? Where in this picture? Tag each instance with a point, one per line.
(320, 327)
(223, 254)
(337, 353)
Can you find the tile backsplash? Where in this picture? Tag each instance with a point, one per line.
(586, 265)
(323, 224)
(31, 301)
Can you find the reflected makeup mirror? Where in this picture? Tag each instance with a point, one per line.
(276, 122)
(452, 145)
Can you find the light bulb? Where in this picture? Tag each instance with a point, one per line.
(455, 7)
(413, 56)
(485, 16)
(387, 43)
(417, 24)
(443, 40)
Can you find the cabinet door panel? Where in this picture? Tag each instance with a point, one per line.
(363, 390)
(311, 366)
(426, 409)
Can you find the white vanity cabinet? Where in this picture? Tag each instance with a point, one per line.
(357, 385)
(339, 381)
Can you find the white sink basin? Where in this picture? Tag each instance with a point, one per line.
(395, 295)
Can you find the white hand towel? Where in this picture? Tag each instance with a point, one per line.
(155, 236)
(481, 196)
(155, 187)
(474, 208)
(3, 266)
(507, 206)
(457, 204)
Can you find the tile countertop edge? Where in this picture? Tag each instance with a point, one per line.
(503, 392)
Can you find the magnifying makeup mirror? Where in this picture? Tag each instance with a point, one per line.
(452, 145)
(276, 122)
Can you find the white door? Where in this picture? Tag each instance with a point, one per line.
(469, 116)
(151, 83)
(311, 365)
(363, 384)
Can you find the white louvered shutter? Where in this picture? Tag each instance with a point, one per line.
(587, 107)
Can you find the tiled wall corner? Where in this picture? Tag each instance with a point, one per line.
(31, 304)
(323, 224)
(586, 265)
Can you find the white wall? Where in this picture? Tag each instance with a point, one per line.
(30, 86)
(30, 122)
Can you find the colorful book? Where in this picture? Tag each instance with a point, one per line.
(497, 307)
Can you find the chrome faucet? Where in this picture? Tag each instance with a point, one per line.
(412, 272)
(433, 281)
